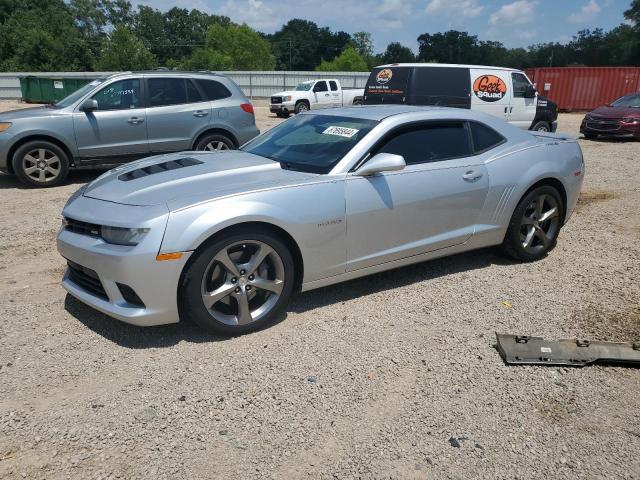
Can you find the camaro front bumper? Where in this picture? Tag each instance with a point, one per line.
(154, 282)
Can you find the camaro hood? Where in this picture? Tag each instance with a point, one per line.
(181, 179)
(615, 112)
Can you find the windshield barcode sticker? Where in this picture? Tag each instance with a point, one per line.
(341, 131)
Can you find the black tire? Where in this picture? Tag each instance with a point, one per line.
(357, 101)
(541, 126)
(203, 262)
(523, 221)
(282, 114)
(590, 136)
(214, 142)
(301, 107)
(42, 164)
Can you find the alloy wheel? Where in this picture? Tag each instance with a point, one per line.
(540, 223)
(216, 146)
(243, 282)
(41, 165)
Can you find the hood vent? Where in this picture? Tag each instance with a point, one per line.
(159, 168)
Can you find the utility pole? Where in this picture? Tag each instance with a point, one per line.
(289, 54)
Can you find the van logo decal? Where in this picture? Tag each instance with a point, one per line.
(383, 76)
(489, 88)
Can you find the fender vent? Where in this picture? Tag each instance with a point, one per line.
(159, 168)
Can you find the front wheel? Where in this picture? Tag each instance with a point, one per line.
(302, 107)
(40, 164)
(238, 283)
(535, 225)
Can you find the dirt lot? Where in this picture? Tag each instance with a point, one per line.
(391, 376)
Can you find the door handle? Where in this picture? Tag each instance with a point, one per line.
(135, 120)
(200, 113)
(326, 94)
(472, 175)
(505, 110)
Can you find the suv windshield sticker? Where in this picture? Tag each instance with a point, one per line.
(341, 131)
(489, 88)
(384, 76)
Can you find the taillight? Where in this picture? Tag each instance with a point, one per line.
(247, 107)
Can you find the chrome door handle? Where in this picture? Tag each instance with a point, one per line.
(472, 175)
(135, 120)
(200, 113)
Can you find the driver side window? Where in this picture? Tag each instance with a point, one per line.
(121, 95)
(320, 87)
(520, 84)
(430, 142)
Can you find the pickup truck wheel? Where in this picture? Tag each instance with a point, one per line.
(215, 142)
(357, 102)
(541, 126)
(535, 225)
(238, 283)
(302, 107)
(40, 164)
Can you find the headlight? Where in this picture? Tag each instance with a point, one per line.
(287, 98)
(4, 126)
(123, 236)
(631, 121)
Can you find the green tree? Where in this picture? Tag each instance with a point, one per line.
(232, 47)
(397, 53)
(633, 13)
(124, 51)
(348, 61)
(363, 44)
(40, 35)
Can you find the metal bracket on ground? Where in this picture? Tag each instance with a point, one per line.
(525, 350)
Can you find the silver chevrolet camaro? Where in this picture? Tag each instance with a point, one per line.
(224, 239)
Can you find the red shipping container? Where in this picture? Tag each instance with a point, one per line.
(584, 88)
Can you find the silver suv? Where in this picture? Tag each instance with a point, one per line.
(122, 117)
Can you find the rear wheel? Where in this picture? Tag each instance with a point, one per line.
(215, 142)
(40, 164)
(238, 283)
(282, 114)
(535, 225)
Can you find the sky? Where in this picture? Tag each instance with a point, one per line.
(515, 23)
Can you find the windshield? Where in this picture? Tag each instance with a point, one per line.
(627, 101)
(311, 143)
(304, 87)
(75, 96)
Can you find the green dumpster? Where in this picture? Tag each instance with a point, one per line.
(49, 89)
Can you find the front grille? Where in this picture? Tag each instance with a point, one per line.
(86, 279)
(83, 228)
(276, 99)
(129, 295)
(603, 125)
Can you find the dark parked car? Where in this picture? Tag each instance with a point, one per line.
(621, 118)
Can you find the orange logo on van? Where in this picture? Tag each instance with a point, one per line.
(489, 88)
(384, 76)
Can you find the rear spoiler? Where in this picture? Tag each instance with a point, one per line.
(560, 137)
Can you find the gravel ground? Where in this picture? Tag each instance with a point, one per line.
(390, 376)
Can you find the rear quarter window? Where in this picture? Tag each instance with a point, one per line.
(213, 90)
(484, 138)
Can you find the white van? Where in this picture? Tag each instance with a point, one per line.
(503, 92)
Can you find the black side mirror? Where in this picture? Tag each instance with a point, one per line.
(530, 92)
(89, 105)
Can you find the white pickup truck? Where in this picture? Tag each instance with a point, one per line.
(325, 93)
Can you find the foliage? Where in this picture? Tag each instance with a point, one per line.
(302, 45)
(348, 61)
(397, 53)
(124, 51)
(41, 35)
(232, 47)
